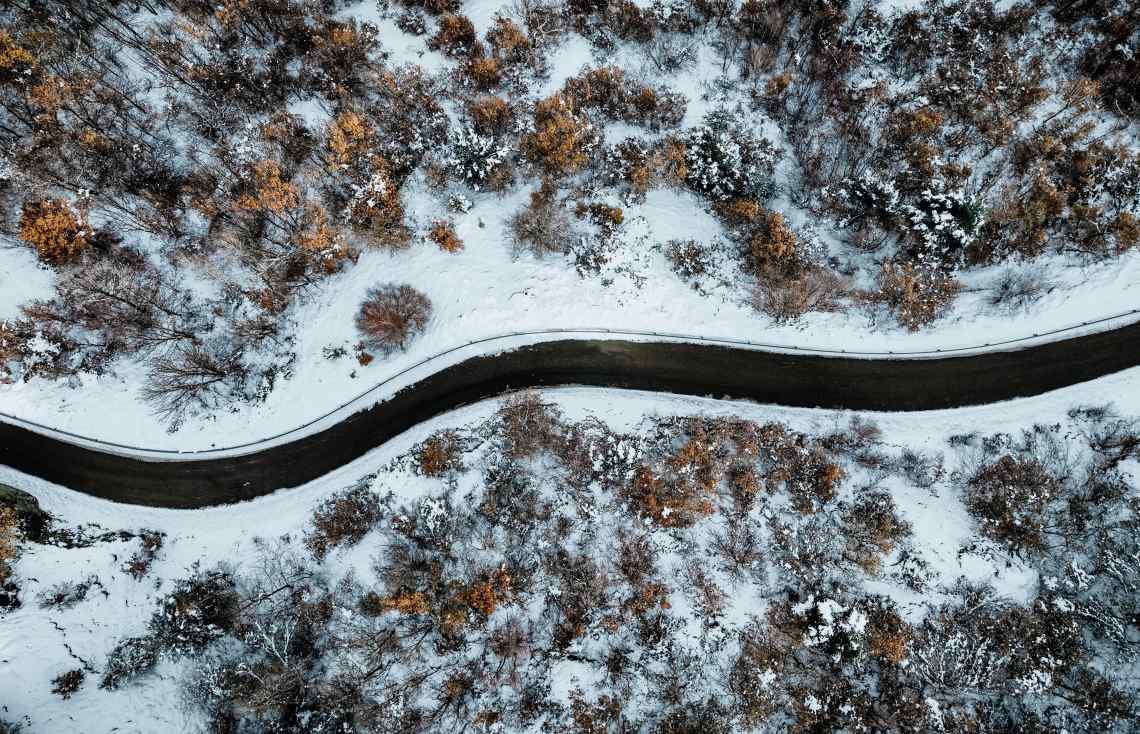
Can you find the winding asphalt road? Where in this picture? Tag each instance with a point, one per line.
(802, 380)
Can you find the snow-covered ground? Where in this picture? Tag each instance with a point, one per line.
(33, 641)
(489, 290)
(486, 290)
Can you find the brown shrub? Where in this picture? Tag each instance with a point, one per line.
(391, 314)
(603, 215)
(376, 209)
(443, 234)
(631, 23)
(612, 93)
(787, 299)
(490, 115)
(403, 602)
(435, 7)
(916, 294)
(888, 635)
(542, 227)
(509, 43)
(15, 60)
(481, 598)
(739, 212)
(348, 136)
(745, 483)
(439, 454)
(673, 163)
(455, 36)
(529, 425)
(772, 245)
(1009, 497)
(873, 527)
(485, 72)
(561, 138)
(271, 192)
(10, 537)
(1022, 221)
(670, 503)
(1125, 232)
(343, 519)
(321, 243)
(57, 232)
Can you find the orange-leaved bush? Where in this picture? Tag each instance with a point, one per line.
(57, 232)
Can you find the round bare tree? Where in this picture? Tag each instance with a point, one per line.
(392, 314)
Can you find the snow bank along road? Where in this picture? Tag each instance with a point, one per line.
(164, 479)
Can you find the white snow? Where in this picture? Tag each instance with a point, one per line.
(32, 650)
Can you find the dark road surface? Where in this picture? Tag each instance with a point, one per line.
(689, 369)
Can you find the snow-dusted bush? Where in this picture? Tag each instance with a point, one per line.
(937, 227)
(941, 226)
(916, 294)
(375, 209)
(787, 299)
(562, 137)
(726, 162)
(1009, 498)
(689, 259)
(131, 657)
(1018, 287)
(343, 519)
(66, 684)
(475, 156)
(542, 227)
(529, 424)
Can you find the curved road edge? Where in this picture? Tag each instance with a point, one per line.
(790, 379)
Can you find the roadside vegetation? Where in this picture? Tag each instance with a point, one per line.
(686, 574)
(191, 172)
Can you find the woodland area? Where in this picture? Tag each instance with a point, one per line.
(691, 574)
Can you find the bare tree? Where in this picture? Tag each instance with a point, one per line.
(392, 314)
(192, 375)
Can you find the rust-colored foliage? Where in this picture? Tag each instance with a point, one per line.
(888, 635)
(442, 233)
(271, 192)
(321, 242)
(455, 36)
(485, 72)
(405, 602)
(348, 136)
(10, 537)
(560, 138)
(15, 60)
(57, 232)
(490, 115)
(603, 215)
(439, 454)
(916, 294)
(508, 42)
(668, 502)
(772, 245)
